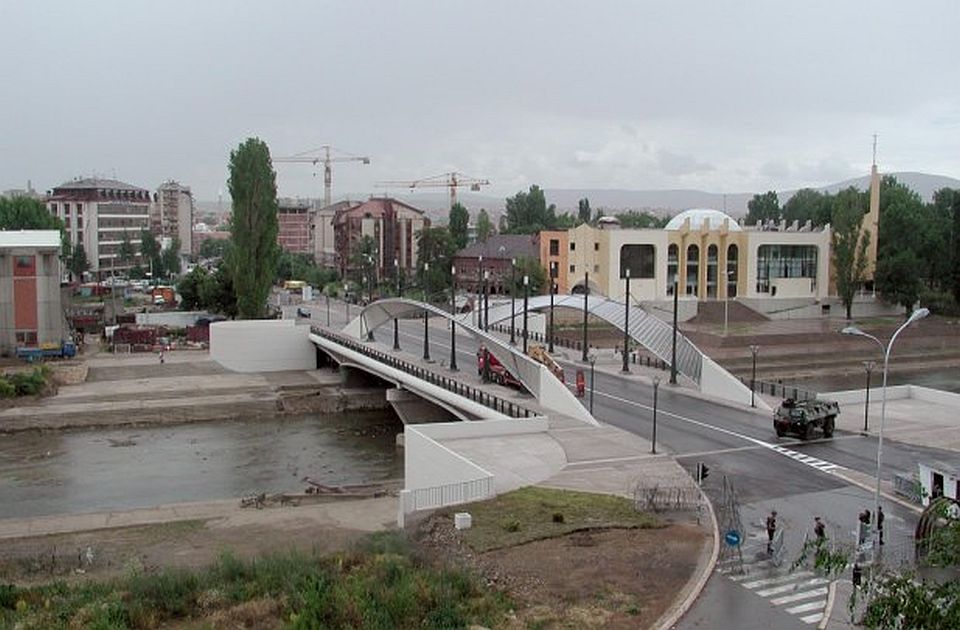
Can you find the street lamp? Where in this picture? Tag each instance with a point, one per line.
(526, 297)
(513, 301)
(426, 313)
(586, 294)
(486, 302)
(370, 295)
(592, 358)
(726, 300)
(920, 313)
(396, 326)
(453, 319)
(653, 441)
(626, 327)
(868, 366)
(346, 288)
(479, 295)
(753, 378)
(553, 287)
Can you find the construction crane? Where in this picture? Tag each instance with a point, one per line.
(450, 180)
(326, 160)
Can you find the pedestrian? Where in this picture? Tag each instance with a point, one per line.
(161, 357)
(771, 530)
(880, 523)
(819, 529)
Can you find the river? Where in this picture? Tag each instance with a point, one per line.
(60, 472)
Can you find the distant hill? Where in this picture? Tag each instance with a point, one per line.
(661, 202)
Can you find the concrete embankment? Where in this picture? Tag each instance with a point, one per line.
(186, 388)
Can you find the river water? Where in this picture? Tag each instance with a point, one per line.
(97, 470)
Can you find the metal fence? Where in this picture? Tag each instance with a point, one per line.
(665, 499)
(450, 494)
(780, 390)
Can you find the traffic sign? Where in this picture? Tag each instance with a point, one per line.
(732, 538)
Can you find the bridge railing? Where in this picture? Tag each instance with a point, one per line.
(454, 385)
(780, 390)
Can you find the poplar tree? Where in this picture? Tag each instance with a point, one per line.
(254, 227)
(849, 245)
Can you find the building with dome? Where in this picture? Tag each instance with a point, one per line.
(705, 253)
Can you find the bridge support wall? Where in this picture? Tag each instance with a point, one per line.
(262, 345)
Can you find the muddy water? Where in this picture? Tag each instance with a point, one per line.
(98, 470)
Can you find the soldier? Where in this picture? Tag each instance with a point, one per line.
(819, 529)
(771, 530)
(880, 523)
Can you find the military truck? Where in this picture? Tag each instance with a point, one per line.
(805, 418)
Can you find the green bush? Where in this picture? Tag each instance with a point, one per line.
(29, 383)
(940, 303)
(7, 389)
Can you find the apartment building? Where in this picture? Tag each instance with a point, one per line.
(171, 215)
(30, 312)
(392, 224)
(295, 222)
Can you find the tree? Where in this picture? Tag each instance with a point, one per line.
(484, 225)
(634, 219)
(898, 278)
(190, 288)
(214, 247)
(536, 275)
(765, 207)
(150, 252)
(583, 211)
(78, 263)
(218, 294)
(170, 258)
(811, 205)
(528, 213)
(849, 245)
(956, 247)
(435, 246)
(254, 228)
(24, 213)
(458, 223)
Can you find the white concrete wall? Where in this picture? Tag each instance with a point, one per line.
(716, 381)
(482, 428)
(177, 319)
(428, 463)
(262, 345)
(898, 392)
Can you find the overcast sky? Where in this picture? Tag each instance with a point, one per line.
(718, 96)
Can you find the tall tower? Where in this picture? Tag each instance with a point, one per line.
(871, 222)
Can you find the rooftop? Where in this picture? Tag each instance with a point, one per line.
(94, 183)
(503, 246)
(30, 238)
(703, 218)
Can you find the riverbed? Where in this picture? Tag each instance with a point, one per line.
(72, 471)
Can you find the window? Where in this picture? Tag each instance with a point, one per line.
(573, 246)
(784, 261)
(554, 247)
(573, 269)
(711, 271)
(693, 270)
(596, 269)
(596, 247)
(639, 259)
(732, 263)
(673, 262)
(554, 269)
(27, 338)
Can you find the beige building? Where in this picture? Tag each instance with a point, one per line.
(171, 215)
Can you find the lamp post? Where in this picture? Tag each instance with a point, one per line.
(453, 319)
(726, 300)
(653, 441)
(426, 313)
(918, 314)
(486, 302)
(553, 290)
(327, 296)
(396, 326)
(592, 358)
(626, 327)
(479, 295)
(346, 287)
(586, 294)
(526, 297)
(370, 296)
(513, 300)
(868, 366)
(753, 378)
(673, 355)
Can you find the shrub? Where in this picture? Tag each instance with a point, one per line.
(558, 517)
(940, 303)
(512, 525)
(29, 383)
(7, 389)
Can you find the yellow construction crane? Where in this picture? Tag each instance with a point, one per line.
(449, 180)
(326, 160)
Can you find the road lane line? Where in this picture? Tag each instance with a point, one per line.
(812, 618)
(792, 587)
(777, 580)
(802, 608)
(797, 597)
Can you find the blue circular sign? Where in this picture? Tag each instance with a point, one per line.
(732, 538)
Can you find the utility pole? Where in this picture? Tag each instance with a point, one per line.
(586, 294)
(626, 327)
(513, 301)
(553, 287)
(453, 319)
(396, 325)
(526, 296)
(426, 313)
(673, 356)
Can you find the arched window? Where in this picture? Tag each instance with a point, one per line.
(732, 265)
(712, 271)
(693, 270)
(673, 261)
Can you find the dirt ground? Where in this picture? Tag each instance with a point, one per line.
(609, 578)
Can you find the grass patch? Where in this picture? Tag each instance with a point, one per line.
(534, 513)
(380, 584)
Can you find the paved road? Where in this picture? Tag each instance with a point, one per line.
(798, 479)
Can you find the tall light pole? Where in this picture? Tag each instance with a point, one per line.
(626, 327)
(592, 358)
(486, 302)
(726, 300)
(586, 294)
(553, 287)
(653, 441)
(513, 301)
(918, 314)
(453, 319)
(370, 296)
(346, 288)
(526, 297)
(673, 355)
(753, 378)
(479, 296)
(426, 313)
(396, 326)
(868, 366)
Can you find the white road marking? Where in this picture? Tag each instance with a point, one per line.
(812, 618)
(802, 608)
(796, 597)
(791, 587)
(777, 580)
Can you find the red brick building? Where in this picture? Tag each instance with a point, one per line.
(392, 224)
(295, 218)
(30, 312)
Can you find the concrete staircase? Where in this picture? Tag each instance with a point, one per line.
(712, 313)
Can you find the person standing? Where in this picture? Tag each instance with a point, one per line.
(771, 530)
(819, 529)
(880, 523)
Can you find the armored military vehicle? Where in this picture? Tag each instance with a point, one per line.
(805, 418)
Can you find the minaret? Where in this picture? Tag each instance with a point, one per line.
(871, 222)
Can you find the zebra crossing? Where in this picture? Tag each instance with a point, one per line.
(800, 593)
(819, 464)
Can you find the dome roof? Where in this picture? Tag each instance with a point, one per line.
(702, 217)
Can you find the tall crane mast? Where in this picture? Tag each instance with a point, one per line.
(326, 160)
(450, 180)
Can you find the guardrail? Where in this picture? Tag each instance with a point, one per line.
(456, 386)
(781, 390)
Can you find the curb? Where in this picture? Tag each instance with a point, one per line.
(828, 608)
(673, 615)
